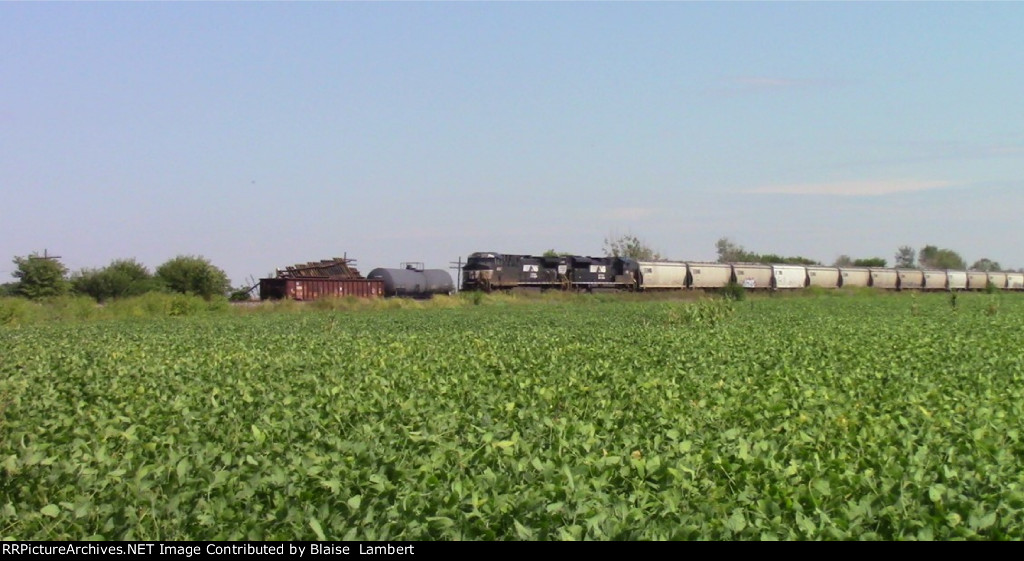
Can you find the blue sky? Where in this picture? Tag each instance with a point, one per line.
(264, 134)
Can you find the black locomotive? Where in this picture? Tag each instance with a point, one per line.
(496, 271)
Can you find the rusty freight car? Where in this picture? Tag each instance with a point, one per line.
(336, 277)
(313, 288)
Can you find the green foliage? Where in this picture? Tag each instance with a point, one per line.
(17, 311)
(847, 261)
(71, 308)
(630, 246)
(731, 252)
(121, 279)
(906, 257)
(193, 275)
(987, 265)
(833, 418)
(40, 277)
(869, 262)
(704, 313)
(158, 304)
(931, 257)
(241, 294)
(553, 253)
(151, 304)
(798, 260)
(734, 291)
(779, 259)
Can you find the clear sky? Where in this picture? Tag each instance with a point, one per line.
(265, 134)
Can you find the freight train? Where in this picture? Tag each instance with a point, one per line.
(489, 271)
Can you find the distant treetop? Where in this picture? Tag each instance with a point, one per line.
(731, 252)
(630, 246)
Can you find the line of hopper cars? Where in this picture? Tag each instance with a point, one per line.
(490, 271)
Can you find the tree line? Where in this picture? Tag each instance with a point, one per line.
(39, 277)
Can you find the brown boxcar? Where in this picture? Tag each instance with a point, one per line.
(313, 288)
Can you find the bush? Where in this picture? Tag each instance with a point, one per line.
(71, 308)
(734, 291)
(16, 311)
(184, 305)
(160, 304)
(148, 305)
(241, 294)
(121, 279)
(188, 274)
(218, 304)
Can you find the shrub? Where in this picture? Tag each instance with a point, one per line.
(120, 279)
(71, 308)
(16, 311)
(241, 294)
(734, 291)
(185, 305)
(193, 275)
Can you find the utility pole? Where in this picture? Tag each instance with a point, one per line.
(45, 256)
(457, 265)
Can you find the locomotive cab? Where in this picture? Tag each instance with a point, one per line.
(478, 272)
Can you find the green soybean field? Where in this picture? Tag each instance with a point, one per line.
(863, 417)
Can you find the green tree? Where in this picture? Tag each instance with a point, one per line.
(122, 278)
(553, 253)
(869, 262)
(847, 261)
(774, 258)
(932, 257)
(630, 246)
(800, 260)
(730, 251)
(906, 257)
(193, 275)
(40, 277)
(986, 264)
